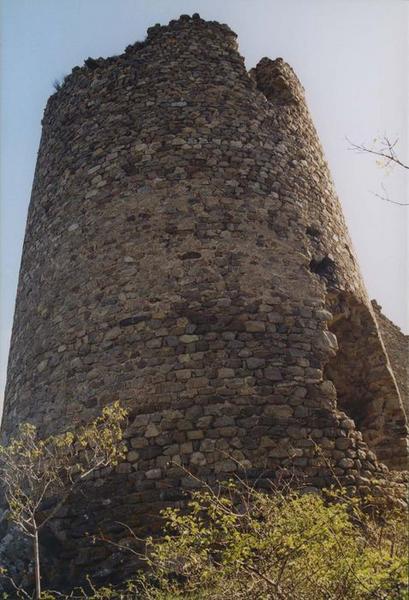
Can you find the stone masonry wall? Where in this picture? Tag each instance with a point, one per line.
(397, 346)
(186, 254)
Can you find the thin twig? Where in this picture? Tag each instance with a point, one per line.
(387, 151)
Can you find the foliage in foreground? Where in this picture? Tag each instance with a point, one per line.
(241, 543)
(35, 470)
(248, 544)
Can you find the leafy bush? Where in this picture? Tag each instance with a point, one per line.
(242, 543)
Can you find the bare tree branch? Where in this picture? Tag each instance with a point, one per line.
(385, 150)
(386, 198)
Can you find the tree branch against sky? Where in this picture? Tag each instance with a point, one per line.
(385, 150)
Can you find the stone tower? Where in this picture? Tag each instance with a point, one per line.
(186, 253)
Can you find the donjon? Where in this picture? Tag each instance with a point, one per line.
(186, 253)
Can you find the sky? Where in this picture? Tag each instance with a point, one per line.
(352, 57)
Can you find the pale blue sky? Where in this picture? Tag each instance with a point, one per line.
(351, 56)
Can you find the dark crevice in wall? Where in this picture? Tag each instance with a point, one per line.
(324, 267)
(313, 231)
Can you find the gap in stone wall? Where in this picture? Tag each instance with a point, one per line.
(347, 376)
(348, 369)
(365, 387)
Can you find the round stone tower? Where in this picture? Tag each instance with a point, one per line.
(186, 254)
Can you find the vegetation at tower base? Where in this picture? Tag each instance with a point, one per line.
(186, 253)
(39, 475)
(280, 543)
(245, 543)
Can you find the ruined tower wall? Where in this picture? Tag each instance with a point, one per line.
(366, 386)
(397, 347)
(185, 253)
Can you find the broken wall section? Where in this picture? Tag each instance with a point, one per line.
(366, 388)
(397, 347)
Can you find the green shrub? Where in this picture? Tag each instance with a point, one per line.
(240, 543)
